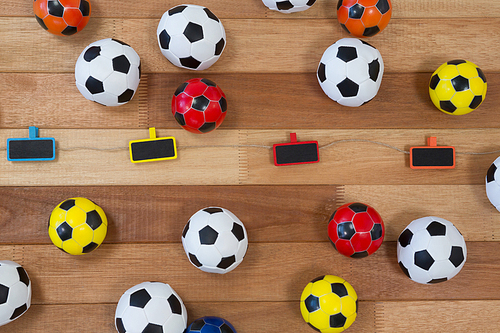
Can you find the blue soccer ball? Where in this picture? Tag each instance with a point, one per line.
(210, 325)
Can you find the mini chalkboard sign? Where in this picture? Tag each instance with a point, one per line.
(296, 152)
(32, 148)
(153, 149)
(432, 156)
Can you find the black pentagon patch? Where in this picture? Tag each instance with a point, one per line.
(333, 244)
(190, 62)
(383, 6)
(23, 276)
(345, 28)
(153, 328)
(200, 103)
(312, 303)
(456, 62)
(405, 238)
(126, 96)
(193, 32)
(90, 247)
(180, 118)
(322, 72)
(208, 235)
(434, 281)
(85, 8)
(140, 298)
(94, 219)
(176, 10)
(436, 229)
(55, 8)
(318, 279)
(209, 82)
(164, 38)
(180, 88)
(94, 86)
(64, 231)
(404, 269)
(356, 11)
(119, 325)
(447, 106)
(185, 230)
(219, 47)
(175, 304)
(460, 83)
(358, 255)
(40, 21)
(210, 14)
(238, 232)
(434, 81)
(423, 260)
(358, 207)
(339, 289)
(223, 104)
(284, 5)
(457, 256)
(310, 3)
(19, 311)
(226, 262)
(195, 260)
(347, 53)
(490, 176)
(374, 70)
(345, 230)
(475, 102)
(140, 70)
(481, 74)
(197, 325)
(337, 320)
(92, 53)
(4, 293)
(376, 231)
(339, 4)
(67, 205)
(348, 88)
(119, 42)
(121, 64)
(207, 127)
(371, 31)
(69, 30)
(213, 210)
(314, 328)
(367, 44)
(226, 329)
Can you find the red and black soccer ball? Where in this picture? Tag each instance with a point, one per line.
(199, 106)
(356, 230)
(62, 17)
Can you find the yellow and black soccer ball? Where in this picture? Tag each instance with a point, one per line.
(329, 304)
(77, 226)
(457, 87)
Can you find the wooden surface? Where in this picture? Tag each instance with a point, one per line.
(268, 74)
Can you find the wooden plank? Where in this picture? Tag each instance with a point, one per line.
(276, 272)
(411, 45)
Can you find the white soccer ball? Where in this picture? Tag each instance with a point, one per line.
(191, 37)
(215, 240)
(350, 72)
(150, 307)
(108, 72)
(492, 184)
(15, 291)
(431, 250)
(289, 6)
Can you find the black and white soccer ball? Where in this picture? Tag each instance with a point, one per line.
(108, 72)
(289, 6)
(350, 72)
(492, 183)
(215, 240)
(431, 250)
(150, 307)
(15, 291)
(191, 37)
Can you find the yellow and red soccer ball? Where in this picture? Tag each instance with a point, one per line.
(62, 17)
(364, 18)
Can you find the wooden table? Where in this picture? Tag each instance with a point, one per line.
(268, 74)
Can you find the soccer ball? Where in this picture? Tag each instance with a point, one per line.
(492, 186)
(457, 87)
(215, 240)
(77, 226)
(431, 250)
(108, 72)
(191, 37)
(210, 325)
(62, 17)
(364, 18)
(329, 304)
(15, 291)
(289, 6)
(199, 105)
(150, 307)
(350, 72)
(356, 230)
